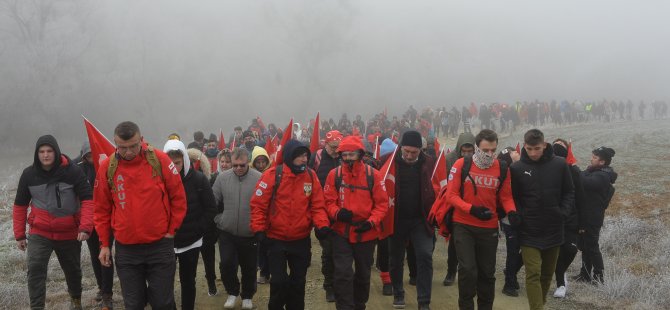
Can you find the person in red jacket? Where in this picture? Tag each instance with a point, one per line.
(143, 210)
(287, 203)
(357, 211)
(476, 222)
(61, 216)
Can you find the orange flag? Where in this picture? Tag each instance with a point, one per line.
(315, 142)
(101, 147)
(571, 160)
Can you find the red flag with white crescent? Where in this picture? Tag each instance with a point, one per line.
(101, 147)
(389, 169)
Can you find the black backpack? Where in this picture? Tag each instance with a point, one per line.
(369, 176)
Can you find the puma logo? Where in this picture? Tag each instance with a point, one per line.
(528, 173)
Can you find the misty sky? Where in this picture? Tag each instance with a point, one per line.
(185, 65)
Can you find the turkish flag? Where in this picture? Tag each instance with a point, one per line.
(101, 147)
(288, 134)
(377, 148)
(270, 147)
(439, 177)
(571, 160)
(222, 141)
(389, 169)
(314, 143)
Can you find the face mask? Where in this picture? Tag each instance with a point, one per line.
(211, 152)
(349, 162)
(482, 160)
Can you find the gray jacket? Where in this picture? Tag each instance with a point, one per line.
(234, 193)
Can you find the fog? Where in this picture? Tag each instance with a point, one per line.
(180, 66)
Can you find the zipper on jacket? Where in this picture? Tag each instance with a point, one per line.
(58, 202)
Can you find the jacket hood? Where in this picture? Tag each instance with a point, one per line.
(464, 138)
(172, 145)
(200, 161)
(610, 172)
(387, 147)
(85, 149)
(259, 151)
(546, 155)
(50, 141)
(291, 147)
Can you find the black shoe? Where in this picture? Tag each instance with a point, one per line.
(330, 294)
(449, 279)
(98, 296)
(412, 281)
(399, 302)
(387, 290)
(515, 284)
(510, 291)
(424, 306)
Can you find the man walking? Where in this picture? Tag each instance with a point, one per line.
(140, 198)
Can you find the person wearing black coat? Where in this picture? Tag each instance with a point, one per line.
(568, 250)
(544, 195)
(200, 212)
(598, 180)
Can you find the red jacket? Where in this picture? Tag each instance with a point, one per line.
(61, 203)
(365, 207)
(298, 205)
(143, 208)
(487, 185)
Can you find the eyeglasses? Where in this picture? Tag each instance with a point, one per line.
(240, 166)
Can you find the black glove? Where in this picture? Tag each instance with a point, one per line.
(480, 212)
(363, 227)
(345, 215)
(323, 232)
(260, 236)
(514, 219)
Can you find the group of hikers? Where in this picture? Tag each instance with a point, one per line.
(368, 188)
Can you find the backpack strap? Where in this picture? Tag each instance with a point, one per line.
(371, 180)
(465, 173)
(278, 175)
(503, 174)
(369, 177)
(111, 170)
(153, 161)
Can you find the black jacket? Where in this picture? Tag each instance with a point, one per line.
(326, 164)
(598, 191)
(200, 211)
(572, 222)
(544, 196)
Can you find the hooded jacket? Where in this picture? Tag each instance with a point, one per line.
(598, 190)
(233, 194)
(60, 200)
(544, 196)
(143, 208)
(297, 206)
(464, 138)
(200, 204)
(259, 151)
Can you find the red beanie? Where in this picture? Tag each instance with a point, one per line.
(351, 144)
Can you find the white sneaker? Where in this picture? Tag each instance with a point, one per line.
(230, 302)
(560, 292)
(247, 304)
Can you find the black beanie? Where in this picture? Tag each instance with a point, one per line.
(411, 138)
(506, 156)
(560, 150)
(604, 153)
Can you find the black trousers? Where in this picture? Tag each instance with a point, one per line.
(476, 248)
(208, 251)
(146, 273)
(234, 249)
(592, 259)
(566, 255)
(513, 261)
(452, 259)
(327, 265)
(287, 290)
(352, 286)
(188, 269)
(383, 255)
(104, 276)
(263, 259)
(39, 253)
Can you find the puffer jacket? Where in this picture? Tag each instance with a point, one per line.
(60, 200)
(544, 196)
(598, 190)
(354, 195)
(233, 195)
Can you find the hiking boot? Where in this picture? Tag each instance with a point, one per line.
(75, 303)
(230, 302)
(424, 306)
(98, 296)
(330, 294)
(560, 292)
(412, 281)
(387, 289)
(107, 302)
(247, 304)
(449, 279)
(398, 302)
(509, 290)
